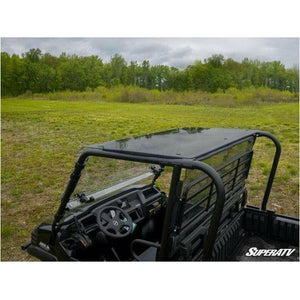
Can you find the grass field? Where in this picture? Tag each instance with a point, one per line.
(41, 140)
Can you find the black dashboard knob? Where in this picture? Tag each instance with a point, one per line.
(119, 203)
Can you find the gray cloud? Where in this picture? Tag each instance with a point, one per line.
(178, 52)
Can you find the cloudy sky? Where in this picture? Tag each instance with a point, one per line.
(178, 52)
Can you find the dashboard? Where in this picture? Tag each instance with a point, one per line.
(140, 202)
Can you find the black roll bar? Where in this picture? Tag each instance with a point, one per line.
(174, 197)
(274, 166)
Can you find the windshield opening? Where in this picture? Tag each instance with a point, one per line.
(104, 177)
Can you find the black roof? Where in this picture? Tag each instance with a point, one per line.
(178, 143)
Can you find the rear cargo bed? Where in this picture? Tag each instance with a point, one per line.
(258, 235)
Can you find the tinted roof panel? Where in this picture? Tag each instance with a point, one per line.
(181, 143)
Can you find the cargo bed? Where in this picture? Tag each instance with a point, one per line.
(256, 235)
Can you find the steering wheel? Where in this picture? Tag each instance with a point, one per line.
(114, 222)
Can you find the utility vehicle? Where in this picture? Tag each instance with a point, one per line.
(176, 195)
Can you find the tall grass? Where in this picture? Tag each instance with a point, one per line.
(230, 98)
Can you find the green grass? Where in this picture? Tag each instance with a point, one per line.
(41, 140)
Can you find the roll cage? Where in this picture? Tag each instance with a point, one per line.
(177, 164)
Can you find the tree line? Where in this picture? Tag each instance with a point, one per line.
(39, 72)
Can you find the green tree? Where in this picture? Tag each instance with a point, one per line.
(145, 73)
(93, 69)
(118, 70)
(73, 76)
